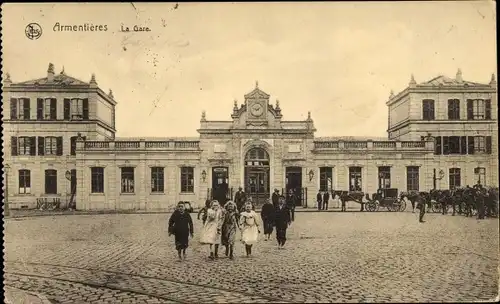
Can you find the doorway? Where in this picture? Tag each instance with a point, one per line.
(220, 183)
(293, 179)
(257, 183)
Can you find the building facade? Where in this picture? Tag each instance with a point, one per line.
(41, 122)
(257, 150)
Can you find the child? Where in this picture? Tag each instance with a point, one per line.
(249, 228)
(267, 215)
(204, 211)
(181, 225)
(212, 229)
(282, 219)
(229, 226)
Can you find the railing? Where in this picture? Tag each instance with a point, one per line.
(186, 144)
(127, 144)
(326, 144)
(413, 144)
(356, 144)
(141, 144)
(372, 145)
(97, 144)
(384, 144)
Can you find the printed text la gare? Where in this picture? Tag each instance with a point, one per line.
(136, 28)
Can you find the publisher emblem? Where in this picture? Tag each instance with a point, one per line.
(33, 31)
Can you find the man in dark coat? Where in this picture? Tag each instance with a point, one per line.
(319, 199)
(180, 225)
(267, 216)
(326, 198)
(282, 220)
(240, 198)
(275, 198)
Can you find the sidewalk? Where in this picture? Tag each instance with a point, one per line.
(18, 296)
(21, 213)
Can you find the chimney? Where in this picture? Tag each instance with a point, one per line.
(93, 82)
(459, 76)
(493, 81)
(7, 80)
(50, 73)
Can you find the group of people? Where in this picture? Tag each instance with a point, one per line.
(222, 223)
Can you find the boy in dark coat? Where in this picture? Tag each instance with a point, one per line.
(282, 219)
(180, 225)
(267, 216)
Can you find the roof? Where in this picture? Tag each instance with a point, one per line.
(441, 80)
(351, 138)
(62, 79)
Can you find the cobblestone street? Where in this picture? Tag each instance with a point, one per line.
(329, 257)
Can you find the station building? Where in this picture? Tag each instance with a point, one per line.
(441, 133)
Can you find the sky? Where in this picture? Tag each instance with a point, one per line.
(338, 60)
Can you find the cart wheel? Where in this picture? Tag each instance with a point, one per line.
(436, 207)
(372, 206)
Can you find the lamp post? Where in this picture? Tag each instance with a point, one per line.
(6, 203)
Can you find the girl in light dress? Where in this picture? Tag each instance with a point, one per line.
(249, 225)
(211, 232)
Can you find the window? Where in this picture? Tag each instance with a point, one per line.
(478, 109)
(24, 182)
(50, 145)
(76, 108)
(127, 180)
(50, 181)
(479, 144)
(157, 179)
(325, 178)
(451, 145)
(26, 146)
(428, 109)
(73, 145)
(453, 109)
(480, 175)
(187, 179)
(355, 179)
(384, 177)
(97, 179)
(412, 178)
(20, 108)
(46, 108)
(455, 178)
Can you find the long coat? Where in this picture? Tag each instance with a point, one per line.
(180, 225)
(282, 217)
(240, 198)
(267, 215)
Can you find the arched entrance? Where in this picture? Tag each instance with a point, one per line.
(257, 184)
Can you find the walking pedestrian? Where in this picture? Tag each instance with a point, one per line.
(230, 225)
(319, 200)
(421, 206)
(180, 225)
(203, 211)
(267, 215)
(276, 197)
(249, 225)
(240, 198)
(326, 198)
(291, 202)
(211, 233)
(282, 220)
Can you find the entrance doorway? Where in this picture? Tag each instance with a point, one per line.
(294, 182)
(257, 184)
(220, 184)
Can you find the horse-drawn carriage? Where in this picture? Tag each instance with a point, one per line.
(386, 198)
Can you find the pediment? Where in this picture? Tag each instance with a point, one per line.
(257, 94)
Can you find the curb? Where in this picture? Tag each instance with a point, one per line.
(169, 212)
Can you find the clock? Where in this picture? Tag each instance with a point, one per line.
(257, 110)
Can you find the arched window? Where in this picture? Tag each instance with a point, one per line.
(257, 157)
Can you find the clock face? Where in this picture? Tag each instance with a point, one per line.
(257, 109)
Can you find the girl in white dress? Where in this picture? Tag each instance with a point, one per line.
(249, 225)
(211, 232)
